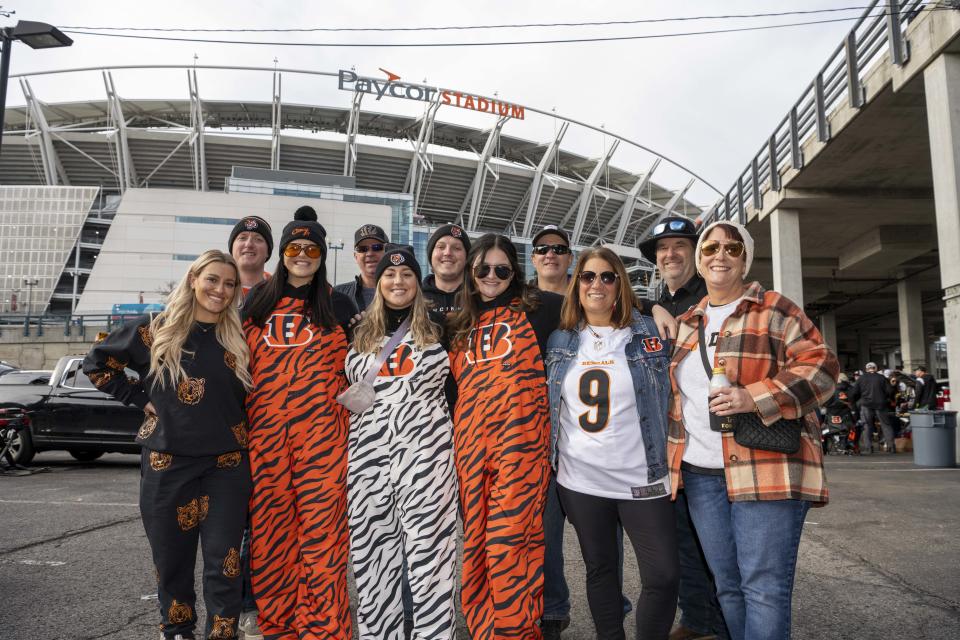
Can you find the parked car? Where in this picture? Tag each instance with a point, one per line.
(28, 376)
(67, 413)
(6, 367)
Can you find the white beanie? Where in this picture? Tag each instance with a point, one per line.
(747, 243)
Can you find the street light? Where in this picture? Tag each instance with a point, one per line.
(337, 247)
(36, 35)
(30, 284)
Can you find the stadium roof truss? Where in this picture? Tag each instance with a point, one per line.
(503, 183)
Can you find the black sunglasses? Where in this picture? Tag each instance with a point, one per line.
(684, 226)
(558, 249)
(502, 272)
(607, 277)
(375, 247)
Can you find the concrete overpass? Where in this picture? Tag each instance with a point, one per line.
(860, 216)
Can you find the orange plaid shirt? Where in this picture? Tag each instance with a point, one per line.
(771, 348)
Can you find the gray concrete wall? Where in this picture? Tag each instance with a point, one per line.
(43, 352)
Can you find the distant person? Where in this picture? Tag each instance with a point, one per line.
(250, 244)
(401, 480)
(194, 467)
(369, 242)
(296, 331)
(875, 394)
(608, 377)
(748, 505)
(927, 389)
(671, 247)
(447, 252)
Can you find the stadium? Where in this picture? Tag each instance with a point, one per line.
(107, 199)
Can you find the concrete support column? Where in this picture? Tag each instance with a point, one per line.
(785, 242)
(891, 361)
(828, 329)
(912, 347)
(942, 86)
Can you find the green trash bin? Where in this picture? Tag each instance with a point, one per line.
(934, 438)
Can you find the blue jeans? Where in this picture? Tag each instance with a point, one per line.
(699, 608)
(556, 594)
(751, 548)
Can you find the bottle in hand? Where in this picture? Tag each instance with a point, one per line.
(719, 381)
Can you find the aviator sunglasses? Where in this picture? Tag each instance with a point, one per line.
(733, 249)
(376, 247)
(502, 272)
(558, 249)
(607, 277)
(293, 249)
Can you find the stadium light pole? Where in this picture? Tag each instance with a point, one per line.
(337, 248)
(36, 35)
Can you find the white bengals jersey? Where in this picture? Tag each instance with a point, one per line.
(601, 450)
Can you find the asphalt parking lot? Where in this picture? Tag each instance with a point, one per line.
(882, 561)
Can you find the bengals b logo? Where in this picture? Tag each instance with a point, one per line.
(400, 363)
(287, 330)
(489, 342)
(652, 345)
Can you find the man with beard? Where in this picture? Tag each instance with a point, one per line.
(447, 252)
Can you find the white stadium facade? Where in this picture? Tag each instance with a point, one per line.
(106, 200)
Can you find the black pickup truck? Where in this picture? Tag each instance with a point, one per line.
(69, 413)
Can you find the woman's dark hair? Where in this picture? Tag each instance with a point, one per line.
(263, 298)
(469, 298)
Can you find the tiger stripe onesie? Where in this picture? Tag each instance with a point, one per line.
(501, 432)
(298, 456)
(402, 494)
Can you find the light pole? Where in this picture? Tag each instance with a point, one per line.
(30, 284)
(36, 35)
(337, 247)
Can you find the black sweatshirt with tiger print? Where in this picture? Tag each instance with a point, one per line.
(203, 415)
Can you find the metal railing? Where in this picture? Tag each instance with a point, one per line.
(72, 325)
(879, 32)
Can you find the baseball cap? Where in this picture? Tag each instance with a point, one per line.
(669, 227)
(551, 228)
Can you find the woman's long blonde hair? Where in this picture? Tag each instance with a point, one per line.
(368, 334)
(172, 326)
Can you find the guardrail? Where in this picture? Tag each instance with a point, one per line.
(71, 325)
(875, 34)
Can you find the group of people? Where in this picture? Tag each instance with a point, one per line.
(473, 392)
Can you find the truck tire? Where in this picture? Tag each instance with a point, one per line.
(84, 455)
(21, 449)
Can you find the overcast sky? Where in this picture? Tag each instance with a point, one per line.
(708, 101)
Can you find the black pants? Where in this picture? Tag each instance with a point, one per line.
(651, 527)
(185, 500)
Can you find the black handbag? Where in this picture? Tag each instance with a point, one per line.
(783, 436)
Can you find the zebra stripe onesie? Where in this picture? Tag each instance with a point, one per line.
(401, 494)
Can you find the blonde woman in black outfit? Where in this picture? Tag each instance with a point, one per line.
(194, 470)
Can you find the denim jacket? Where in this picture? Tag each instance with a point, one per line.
(649, 359)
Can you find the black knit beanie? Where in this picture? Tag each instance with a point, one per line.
(254, 224)
(305, 227)
(453, 230)
(397, 255)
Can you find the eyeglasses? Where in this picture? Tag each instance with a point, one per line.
(558, 249)
(607, 277)
(733, 249)
(674, 225)
(293, 249)
(376, 247)
(502, 271)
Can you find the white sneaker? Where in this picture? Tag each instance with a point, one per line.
(248, 626)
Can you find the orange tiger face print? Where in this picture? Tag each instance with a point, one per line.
(229, 460)
(191, 514)
(115, 364)
(148, 426)
(231, 564)
(190, 391)
(145, 336)
(240, 433)
(230, 360)
(223, 628)
(100, 378)
(179, 613)
(160, 461)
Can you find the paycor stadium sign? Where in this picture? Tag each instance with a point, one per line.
(350, 81)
